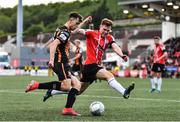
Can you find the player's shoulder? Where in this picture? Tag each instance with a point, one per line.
(110, 37)
(91, 31)
(62, 33)
(161, 45)
(64, 30)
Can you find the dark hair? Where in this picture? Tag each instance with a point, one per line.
(76, 15)
(106, 22)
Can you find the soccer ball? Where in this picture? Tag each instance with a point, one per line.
(96, 108)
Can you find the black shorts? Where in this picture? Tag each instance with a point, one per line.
(62, 70)
(76, 68)
(158, 67)
(89, 72)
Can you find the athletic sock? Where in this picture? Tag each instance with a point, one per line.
(117, 86)
(71, 97)
(155, 80)
(56, 92)
(159, 83)
(152, 83)
(56, 85)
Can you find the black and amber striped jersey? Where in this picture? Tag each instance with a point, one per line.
(62, 50)
(78, 61)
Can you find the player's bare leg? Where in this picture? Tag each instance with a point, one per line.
(84, 86)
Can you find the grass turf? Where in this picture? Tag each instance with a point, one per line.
(15, 105)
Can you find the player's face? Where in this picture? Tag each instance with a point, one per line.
(77, 43)
(104, 30)
(74, 22)
(156, 41)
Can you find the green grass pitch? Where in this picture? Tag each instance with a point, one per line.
(15, 105)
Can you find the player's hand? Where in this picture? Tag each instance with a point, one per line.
(125, 58)
(88, 20)
(51, 64)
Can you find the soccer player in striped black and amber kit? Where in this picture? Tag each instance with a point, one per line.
(59, 58)
(97, 41)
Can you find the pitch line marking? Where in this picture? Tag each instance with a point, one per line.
(94, 96)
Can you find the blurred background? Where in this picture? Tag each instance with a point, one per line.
(26, 28)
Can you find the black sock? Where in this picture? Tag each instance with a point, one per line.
(56, 85)
(71, 97)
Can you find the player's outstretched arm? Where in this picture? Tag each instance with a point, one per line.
(85, 21)
(118, 51)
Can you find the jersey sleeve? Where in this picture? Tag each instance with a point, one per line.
(163, 48)
(88, 32)
(62, 36)
(111, 41)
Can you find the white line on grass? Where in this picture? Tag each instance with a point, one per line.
(139, 89)
(142, 99)
(94, 96)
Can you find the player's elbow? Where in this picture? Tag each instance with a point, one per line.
(51, 47)
(81, 31)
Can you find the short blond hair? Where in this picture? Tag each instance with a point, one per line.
(107, 22)
(77, 40)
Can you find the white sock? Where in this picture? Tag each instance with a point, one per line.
(155, 80)
(117, 86)
(152, 83)
(159, 83)
(55, 92)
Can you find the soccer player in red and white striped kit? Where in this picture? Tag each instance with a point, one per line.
(159, 56)
(97, 41)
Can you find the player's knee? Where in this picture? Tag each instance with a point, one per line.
(158, 75)
(77, 86)
(109, 75)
